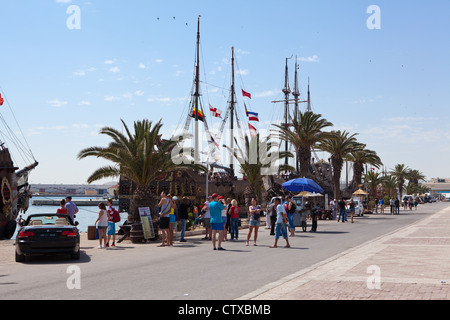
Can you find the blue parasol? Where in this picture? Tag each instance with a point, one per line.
(302, 184)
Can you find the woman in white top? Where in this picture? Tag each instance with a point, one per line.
(103, 217)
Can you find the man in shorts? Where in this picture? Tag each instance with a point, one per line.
(215, 209)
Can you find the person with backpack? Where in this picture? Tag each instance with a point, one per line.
(114, 217)
(291, 213)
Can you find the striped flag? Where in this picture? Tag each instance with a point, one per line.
(253, 116)
(253, 131)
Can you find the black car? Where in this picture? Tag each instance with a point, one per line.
(47, 234)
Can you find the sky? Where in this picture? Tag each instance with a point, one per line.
(134, 60)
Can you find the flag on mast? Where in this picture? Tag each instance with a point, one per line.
(1, 100)
(246, 94)
(253, 116)
(253, 131)
(215, 112)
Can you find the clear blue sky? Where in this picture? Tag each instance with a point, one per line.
(390, 85)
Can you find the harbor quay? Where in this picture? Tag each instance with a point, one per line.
(379, 257)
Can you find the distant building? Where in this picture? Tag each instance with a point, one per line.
(75, 189)
(438, 186)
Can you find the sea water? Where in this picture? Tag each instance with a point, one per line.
(86, 215)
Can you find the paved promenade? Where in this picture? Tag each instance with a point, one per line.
(412, 263)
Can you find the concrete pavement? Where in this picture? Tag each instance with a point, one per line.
(411, 263)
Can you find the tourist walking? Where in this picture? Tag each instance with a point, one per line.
(342, 210)
(102, 220)
(234, 219)
(164, 219)
(172, 217)
(315, 213)
(224, 218)
(291, 214)
(334, 206)
(217, 225)
(228, 207)
(392, 204)
(111, 230)
(272, 217)
(382, 205)
(254, 212)
(206, 216)
(397, 206)
(351, 206)
(62, 209)
(72, 208)
(280, 224)
(183, 213)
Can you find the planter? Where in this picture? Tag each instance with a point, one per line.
(136, 233)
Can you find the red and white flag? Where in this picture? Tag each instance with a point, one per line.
(215, 112)
(253, 131)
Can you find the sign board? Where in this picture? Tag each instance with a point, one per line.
(147, 223)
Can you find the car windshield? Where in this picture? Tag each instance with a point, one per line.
(48, 220)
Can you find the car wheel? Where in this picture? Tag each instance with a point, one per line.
(75, 255)
(20, 257)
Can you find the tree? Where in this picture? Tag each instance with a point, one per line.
(389, 184)
(414, 176)
(339, 145)
(360, 158)
(140, 157)
(372, 179)
(305, 133)
(400, 172)
(256, 156)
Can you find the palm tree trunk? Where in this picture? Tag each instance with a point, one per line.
(305, 161)
(337, 164)
(357, 173)
(142, 198)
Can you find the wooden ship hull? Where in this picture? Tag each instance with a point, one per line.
(187, 183)
(14, 193)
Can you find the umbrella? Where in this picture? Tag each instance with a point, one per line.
(302, 184)
(307, 194)
(360, 192)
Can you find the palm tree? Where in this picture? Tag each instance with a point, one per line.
(140, 157)
(306, 132)
(257, 159)
(339, 145)
(400, 172)
(414, 176)
(373, 179)
(389, 185)
(359, 159)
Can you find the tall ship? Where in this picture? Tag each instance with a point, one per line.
(204, 147)
(212, 146)
(14, 188)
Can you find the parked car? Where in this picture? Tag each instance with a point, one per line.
(359, 210)
(47, 234)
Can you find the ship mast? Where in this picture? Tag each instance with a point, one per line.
(197, 96)
(308, 108)
(296, 92)
(286, 91)
(232, 107)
